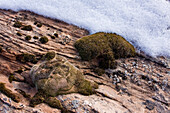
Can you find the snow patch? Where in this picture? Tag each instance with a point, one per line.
(142, 22)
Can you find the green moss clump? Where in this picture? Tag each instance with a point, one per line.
(84, 87)
(42, 97)
(53, 102)
(107, 60)
(11, 78)
(27, 28)
(17, 24)
(39, 25)
(105, 47)
(49, 55)
(44, 40)
(9, 93)
(25, 57)
(19, 34)
(99, 71)
(28, 37)
(87, 88)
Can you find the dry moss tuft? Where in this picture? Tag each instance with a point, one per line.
(27, 28)
(17, 24)
(28, 37)
(49, 55)
(39, 25)
(44, 40)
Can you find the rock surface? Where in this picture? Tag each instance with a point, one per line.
(58, 76)
(138, 85)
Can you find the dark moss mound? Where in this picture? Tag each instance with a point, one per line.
(36, 22)
(49, 55)
(39, 25)
(28, 37)
(17, 24)
(25, 57)
(27, 28)
(44, 40)
(19, 34)
(11, 78)
(35, 37)
(9, 93)
(106, 47)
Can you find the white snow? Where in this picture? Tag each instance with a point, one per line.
(142, 22)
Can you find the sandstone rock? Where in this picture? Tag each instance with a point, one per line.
(27, 78)
(18, 77)
(107, 100)
(58, 76)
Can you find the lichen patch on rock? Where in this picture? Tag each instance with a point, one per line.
(58, 76)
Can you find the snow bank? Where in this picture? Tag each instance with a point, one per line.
(142, 22)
